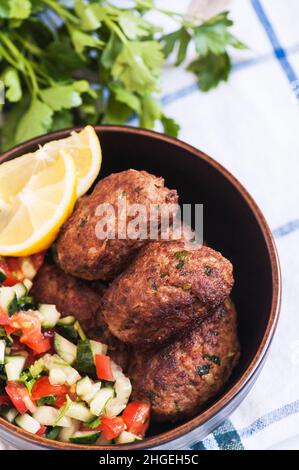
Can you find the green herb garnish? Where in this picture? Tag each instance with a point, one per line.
(154, 286)
(213, 358)
(97, 63)
(204, 369)
(208, 270)
(182, 256)
(53, 433)
(49, 400)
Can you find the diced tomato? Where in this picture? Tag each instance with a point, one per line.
(14, 273)
(4, 318)
(4, 400)
(38, 259)
(11, 277)
(112, 427)
(38, 347)
(41, 430)
(136, 417)
(19, 396)
(60, 401)
(103, 367)
(43, 388)
(31, 336)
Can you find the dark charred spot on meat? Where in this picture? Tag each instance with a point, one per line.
(154, 286)
(83, 222)
(138, 189)
(150, 395)
(124, 193)
(213, 358)
(204, 369)
(208, 270)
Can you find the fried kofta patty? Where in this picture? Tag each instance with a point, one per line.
(164, 289)
(72, 296)
(81, 253)
(181, 377)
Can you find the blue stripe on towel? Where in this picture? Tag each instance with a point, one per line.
(227, 437)
(286, 229)
(278, 50)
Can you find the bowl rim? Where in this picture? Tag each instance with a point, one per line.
(256, 361)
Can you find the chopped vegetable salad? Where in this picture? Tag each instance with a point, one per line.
(55, 382)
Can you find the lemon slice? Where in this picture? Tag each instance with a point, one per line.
(37, 195)
(86, 151)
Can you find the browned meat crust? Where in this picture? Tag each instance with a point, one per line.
(181, 377)
(72, 296)
(163, 290)
(80, 252)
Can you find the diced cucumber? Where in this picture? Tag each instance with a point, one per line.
(62, 370)
(79, 411)
(70, 320)
(27, 423)
(67, 331)
(37, 367)
(9, 414)
(27, 268)
(28, 284)
(126, 437)
(7, 299)
(47, 415)
(57, 376)
(89, 396)
(20, 289)
(98, 348)
(65, 349)
(66, 433)
(84, 386)
(2, 350)
(48, 315)
(85, 437)
(99, 402)
(14, 366)
(85, 360)
(123, 390)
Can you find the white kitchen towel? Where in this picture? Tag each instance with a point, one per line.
(251, 126)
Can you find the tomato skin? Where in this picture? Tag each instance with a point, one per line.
(103, 367)
(43, 388)
(19, 396)
(136, 416)
(4, 318)
(14, 272)
(39, 347)
(32, 335)
(12, 277)
(111, 427)
(41, 430)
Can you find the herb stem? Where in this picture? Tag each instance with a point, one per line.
(117, 30)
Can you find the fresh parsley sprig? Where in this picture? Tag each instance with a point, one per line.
(73, 62)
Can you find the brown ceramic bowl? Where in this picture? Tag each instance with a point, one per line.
(234, 225)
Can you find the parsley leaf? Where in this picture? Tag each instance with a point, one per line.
(138, 66)
(210, 70)
(37, 120)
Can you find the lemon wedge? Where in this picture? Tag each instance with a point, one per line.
(37, 195)
(86, 151)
